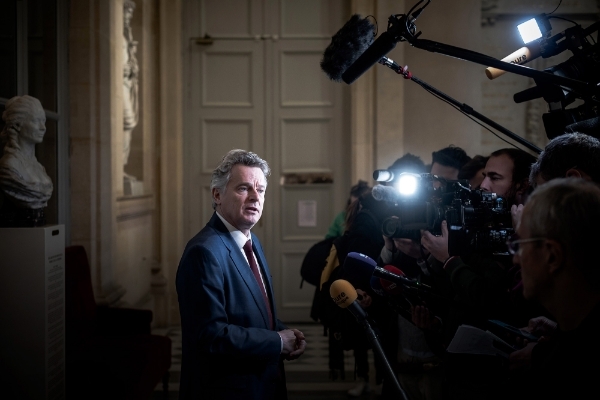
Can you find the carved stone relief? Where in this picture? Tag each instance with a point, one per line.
(130, 93)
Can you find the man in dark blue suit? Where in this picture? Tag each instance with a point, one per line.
(233, 343)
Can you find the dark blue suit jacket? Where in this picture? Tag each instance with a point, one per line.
(228, 348)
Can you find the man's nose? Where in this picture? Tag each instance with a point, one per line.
(515, 258)
(485, 185)
(252, 194)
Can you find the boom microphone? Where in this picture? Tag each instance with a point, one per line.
(344, 295)
(521, 56)
(346, 46)
(380, 47)
(385, 193)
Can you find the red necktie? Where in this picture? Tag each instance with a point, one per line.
(254, 268)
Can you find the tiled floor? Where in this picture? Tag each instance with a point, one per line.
(307, 377)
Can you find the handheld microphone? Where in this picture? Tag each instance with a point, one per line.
(352, 40)
(521, 56)
(385, 193)
(389, 287)
(362, 267)
(344, 295)
(376, 286)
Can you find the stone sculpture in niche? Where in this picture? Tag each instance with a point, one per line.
(25, 187)
(130, 85)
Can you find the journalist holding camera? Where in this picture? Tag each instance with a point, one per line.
(418, 366)
(473, 286)
(526, 289)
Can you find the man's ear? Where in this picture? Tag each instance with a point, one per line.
(521, 191)
(555, 255)
(577, 173)
(216, 196)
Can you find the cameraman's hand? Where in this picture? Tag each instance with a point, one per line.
(408, 247)
(515, 212)
(437, 245)
(389, 243)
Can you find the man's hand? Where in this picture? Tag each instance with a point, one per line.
(541, 326)
(423, 319)
(294, 343)
(515, 213)
(389, 243)
(437, 245)
(408, 247)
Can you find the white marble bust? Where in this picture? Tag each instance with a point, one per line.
(23, 180)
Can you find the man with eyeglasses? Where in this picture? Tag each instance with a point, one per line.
(556, 249)
(480, 280)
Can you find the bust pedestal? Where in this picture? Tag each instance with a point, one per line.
(32, 306)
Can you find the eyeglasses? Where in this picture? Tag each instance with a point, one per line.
(514, 244)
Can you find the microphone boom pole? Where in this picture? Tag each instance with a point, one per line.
(462, 106)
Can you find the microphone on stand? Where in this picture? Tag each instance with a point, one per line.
(344, 295)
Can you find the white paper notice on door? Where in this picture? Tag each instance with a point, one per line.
(307, 213)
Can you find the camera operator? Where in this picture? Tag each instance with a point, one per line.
(448, 162)
(363, 235)
(418, 368)
(481, 280)
(479, 283)
(556, 250)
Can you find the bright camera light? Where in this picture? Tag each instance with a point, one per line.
(529, 30)
(407, 184)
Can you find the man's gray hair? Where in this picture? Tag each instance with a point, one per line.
(222, 174)
(568, 210)
(571, 150)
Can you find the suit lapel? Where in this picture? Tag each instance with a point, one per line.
(241, 265)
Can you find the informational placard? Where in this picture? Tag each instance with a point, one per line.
(307, 213)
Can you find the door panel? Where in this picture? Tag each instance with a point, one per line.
(311, 163)
(259, 87)
(227, 99)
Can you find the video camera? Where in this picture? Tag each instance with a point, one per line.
(478, 222)
(583, 65)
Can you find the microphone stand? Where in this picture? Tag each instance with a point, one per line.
(372, 336)
(462, 106)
